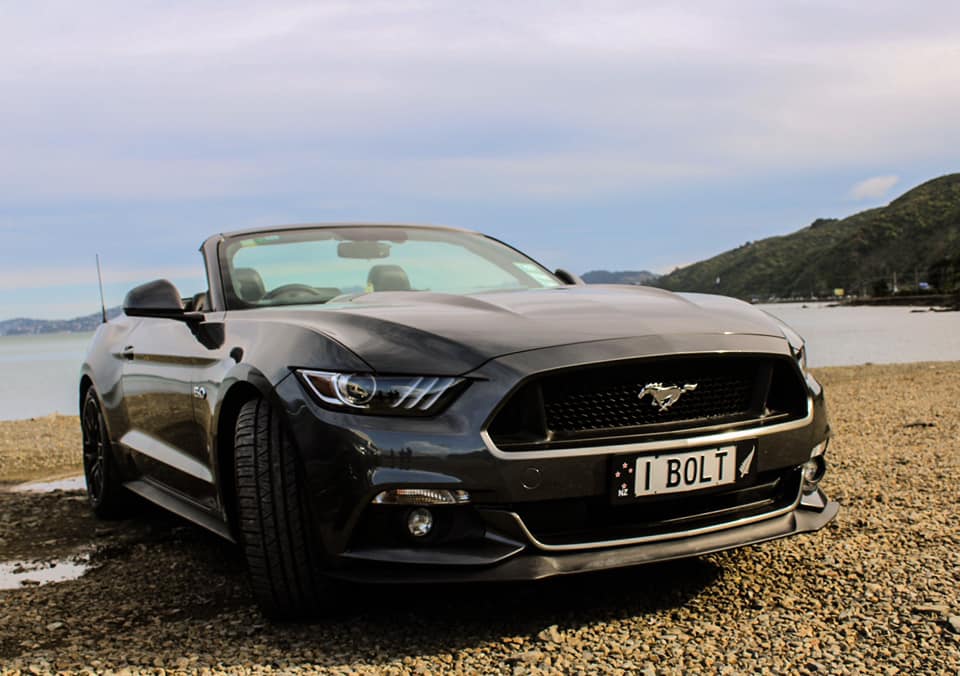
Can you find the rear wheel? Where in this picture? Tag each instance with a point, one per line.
(274, 519)
(104, 490)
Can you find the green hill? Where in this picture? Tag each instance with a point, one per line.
(619, 277)
(916, 236)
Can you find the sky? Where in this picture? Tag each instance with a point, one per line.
(592, 135)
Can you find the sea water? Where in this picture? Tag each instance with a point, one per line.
(41, 374)
(847, 336)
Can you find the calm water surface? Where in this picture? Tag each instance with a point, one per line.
(846, 336)
(41, 372)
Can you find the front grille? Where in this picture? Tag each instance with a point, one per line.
(579, 521)
(591, 405)
(611, 401)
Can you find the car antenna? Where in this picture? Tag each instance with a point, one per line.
(103, 305)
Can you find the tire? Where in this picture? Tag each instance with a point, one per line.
(275, 523)
(105, 492)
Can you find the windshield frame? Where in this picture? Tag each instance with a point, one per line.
(226, 247)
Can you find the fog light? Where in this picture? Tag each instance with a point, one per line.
(419, 522)
(813, 471)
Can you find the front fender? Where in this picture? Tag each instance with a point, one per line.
(103, 367)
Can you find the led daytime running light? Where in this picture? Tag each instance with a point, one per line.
(421, 496)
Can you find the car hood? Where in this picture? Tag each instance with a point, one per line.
(434, 333)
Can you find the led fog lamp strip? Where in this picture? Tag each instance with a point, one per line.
(421, 496)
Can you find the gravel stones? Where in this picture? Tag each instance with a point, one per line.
(874, 592)
(39, 448)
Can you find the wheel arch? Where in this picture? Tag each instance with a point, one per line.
(86, 382)
(237, 394)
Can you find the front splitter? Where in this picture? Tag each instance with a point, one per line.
(531, 564)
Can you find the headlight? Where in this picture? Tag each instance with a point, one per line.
(798, 347)
(382, 395)
(800, 354)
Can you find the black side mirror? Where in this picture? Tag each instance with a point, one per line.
(568, 277)
(159, 298)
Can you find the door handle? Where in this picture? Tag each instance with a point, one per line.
(128, 352)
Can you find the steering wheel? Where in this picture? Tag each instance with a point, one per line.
(293, 290)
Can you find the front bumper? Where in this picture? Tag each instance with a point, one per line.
(348, 459)
(524, 564)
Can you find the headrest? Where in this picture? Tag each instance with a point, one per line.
(248, 284)
(388, 278)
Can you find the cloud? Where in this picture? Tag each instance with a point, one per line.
(873, 188)
(193, 101)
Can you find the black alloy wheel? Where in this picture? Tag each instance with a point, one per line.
(103, 484)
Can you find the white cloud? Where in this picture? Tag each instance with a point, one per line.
(873, 188)
(189, 100)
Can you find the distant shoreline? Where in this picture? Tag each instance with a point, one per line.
(48, 334)
(932, 300)
(21, 326)
(938, 303)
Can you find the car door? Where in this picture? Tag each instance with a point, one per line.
(161, 362)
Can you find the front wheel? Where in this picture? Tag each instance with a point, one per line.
(104, 489)
(274, 519)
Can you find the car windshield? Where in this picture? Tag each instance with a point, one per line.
(318, 265)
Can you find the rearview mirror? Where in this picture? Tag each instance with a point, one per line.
(159, 298)
(365, 250)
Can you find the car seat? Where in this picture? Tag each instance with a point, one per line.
(199, 302)
(248, 284)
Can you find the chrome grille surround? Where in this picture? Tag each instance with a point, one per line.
(599, 409)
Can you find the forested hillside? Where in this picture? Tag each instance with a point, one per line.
(916, 237)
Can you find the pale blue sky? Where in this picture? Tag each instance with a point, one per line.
(618, 135)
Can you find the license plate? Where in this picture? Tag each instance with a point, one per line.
(678, 472)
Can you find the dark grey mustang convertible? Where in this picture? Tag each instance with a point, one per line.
(404, 403)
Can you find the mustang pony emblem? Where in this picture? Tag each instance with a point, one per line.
(665, 396)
